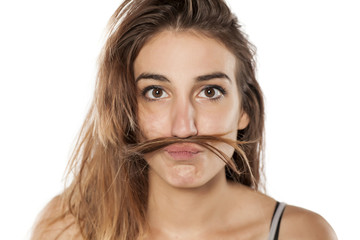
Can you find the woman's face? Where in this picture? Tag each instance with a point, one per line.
(186, 87)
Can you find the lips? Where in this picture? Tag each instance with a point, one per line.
(183, 151)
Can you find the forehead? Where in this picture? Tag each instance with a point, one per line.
(184, 54)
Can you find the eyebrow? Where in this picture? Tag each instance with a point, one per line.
(201, 78)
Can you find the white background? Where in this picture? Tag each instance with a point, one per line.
(308, 57)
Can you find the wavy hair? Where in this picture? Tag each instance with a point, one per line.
(108, 194)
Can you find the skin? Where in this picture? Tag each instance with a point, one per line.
(190, 198)
(182, 108)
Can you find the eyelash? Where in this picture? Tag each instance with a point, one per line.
(220, 89)
(147, 89)
(152, 87)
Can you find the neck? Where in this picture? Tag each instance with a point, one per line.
(187, 209)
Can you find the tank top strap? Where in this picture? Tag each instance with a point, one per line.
(276, 219)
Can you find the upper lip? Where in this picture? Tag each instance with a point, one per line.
(183, 147)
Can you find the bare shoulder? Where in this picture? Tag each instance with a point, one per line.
(51, 225)
(299, 223)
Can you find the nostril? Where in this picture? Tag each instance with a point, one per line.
(188, 137)
(184, 129)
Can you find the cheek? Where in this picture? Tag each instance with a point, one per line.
(153, 123)
(224, 124)
(220, 119)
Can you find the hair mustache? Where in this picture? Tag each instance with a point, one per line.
(139, 149)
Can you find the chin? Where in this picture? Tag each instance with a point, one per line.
(187, 176)
(184, 176)
(186, 183)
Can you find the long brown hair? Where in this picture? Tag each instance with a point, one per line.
(108, 194)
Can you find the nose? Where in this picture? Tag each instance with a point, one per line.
(183, 119)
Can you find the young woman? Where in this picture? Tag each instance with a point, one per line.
(171, 147)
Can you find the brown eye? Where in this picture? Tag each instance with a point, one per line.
(209, 92)
(155, 93)
(212, 92)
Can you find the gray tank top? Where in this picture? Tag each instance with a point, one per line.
(275, 222)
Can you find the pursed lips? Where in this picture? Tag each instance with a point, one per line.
(183, 151)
